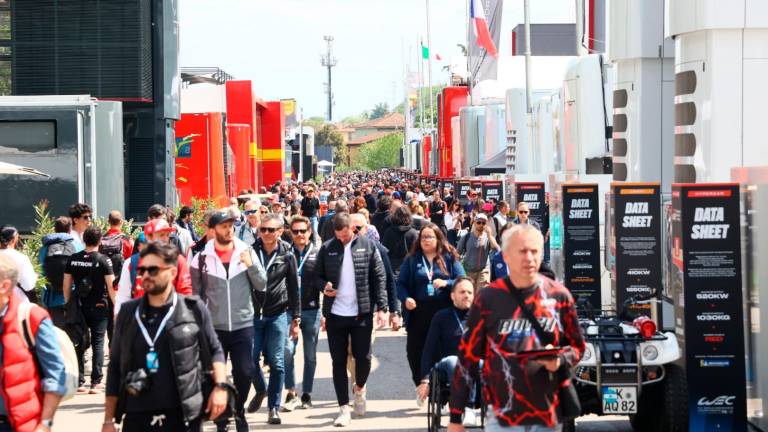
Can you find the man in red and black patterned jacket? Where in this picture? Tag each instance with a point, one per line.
(522, 393)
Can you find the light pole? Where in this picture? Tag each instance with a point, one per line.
(329, 62)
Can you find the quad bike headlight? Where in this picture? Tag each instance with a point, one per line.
(650, 352)
(587, 354)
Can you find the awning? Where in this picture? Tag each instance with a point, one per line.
(11, 169)
(494, 165)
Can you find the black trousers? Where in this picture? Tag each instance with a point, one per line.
(341, 330)
(238, 346)
(419, 320)
(158, 422)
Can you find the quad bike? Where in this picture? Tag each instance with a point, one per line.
(629, 368)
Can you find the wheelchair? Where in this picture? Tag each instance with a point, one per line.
(438, 397)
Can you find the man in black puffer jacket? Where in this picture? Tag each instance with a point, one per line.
(352, 273)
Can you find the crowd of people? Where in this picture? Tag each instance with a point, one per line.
(351, 255)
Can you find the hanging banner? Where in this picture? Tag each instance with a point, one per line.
(493, 189)
(707, 236)
(461, 188)
(635, 241)
(581, 225)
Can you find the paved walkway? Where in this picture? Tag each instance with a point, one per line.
(391, 400)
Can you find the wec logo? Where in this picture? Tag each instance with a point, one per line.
(718, 401)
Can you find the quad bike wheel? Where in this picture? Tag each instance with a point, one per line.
(663, 407)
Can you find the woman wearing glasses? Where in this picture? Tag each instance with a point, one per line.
(475, 248)
(424, 287)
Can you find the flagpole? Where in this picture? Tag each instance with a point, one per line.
(429, 63)
(421, 85)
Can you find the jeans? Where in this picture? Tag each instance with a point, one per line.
(445, 369)
(270, 333)
(310, 328)
(492, 425)
(96, 320)
(340, 330)
(453, 237)
(238, 346)
(314, 221)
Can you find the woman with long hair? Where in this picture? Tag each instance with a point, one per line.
(453, 221)
(424, 287)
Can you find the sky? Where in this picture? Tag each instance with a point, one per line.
(278, 44)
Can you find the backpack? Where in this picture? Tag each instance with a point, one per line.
(133, 272)
(112, 247)
(55, 263)
(65, 345)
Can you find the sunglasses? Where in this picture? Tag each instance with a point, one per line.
(523, 211)
(250, 212)
(263, 211)
(357, 229)
(153, 270)
(480, 222)
(300, 231)
(268, 230)
(88, 217)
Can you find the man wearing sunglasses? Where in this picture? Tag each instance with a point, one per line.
(249, 231)
(305, 247)
(475, 248)
(523, 213)
(226, 275)
(153, 335)
(274, 308)
(82, 216)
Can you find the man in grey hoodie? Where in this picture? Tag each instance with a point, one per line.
(226, 274)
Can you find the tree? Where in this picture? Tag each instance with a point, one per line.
(328, 135)
(380, 110)
(381, 153)
(315, 122)
(355, 119)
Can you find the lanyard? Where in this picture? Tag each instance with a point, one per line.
(461, 326)
(145, 333)
(429, 270)
(269, 264)
(305, 255)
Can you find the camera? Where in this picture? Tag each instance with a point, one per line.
(137, 382)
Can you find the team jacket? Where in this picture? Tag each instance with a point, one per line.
(521, 392)
(228, 294)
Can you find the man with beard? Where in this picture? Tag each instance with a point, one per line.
(153, 335)
(278, 304)
(225, 275)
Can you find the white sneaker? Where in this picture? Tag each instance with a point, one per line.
(344, 418)
(470, 418)
(360, 403)
(445, 410)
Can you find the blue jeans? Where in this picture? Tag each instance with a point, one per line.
(310, 328)
(313, 220)
(445, 369)
(270, 333)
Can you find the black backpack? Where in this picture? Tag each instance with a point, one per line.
(55, 263)
(112, 247)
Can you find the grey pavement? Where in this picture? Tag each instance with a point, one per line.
(391, 400)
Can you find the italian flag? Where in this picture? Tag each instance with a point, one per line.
(425, 54)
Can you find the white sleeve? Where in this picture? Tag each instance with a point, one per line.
(27, 276)
(123, 286)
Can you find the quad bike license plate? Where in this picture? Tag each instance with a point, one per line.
(620, 400)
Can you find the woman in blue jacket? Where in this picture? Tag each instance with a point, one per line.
(424, 287)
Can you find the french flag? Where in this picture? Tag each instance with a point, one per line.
(482, 34)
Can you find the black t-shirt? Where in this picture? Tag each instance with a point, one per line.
(95, 266)
(163, 393)
(310, 206)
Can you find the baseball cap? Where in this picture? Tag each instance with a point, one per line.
(481, 216)
(142, 238)
(157, 226)
(488, 207)
(219, 218)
